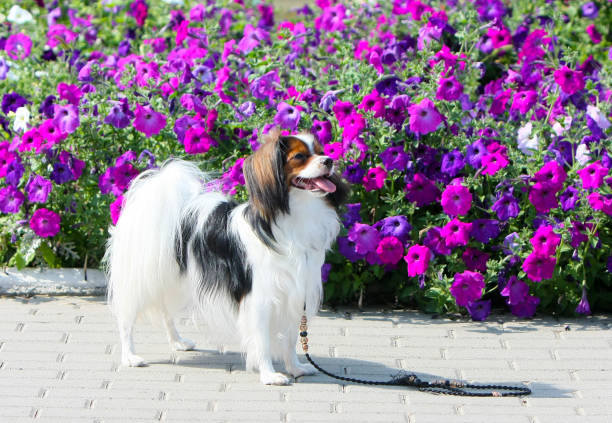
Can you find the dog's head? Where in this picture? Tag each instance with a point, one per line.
(286, 163)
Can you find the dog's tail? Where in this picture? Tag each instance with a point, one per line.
(140, 259)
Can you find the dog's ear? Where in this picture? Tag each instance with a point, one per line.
(264, 174)
(339, 196)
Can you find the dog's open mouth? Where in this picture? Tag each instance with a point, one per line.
(322, 183)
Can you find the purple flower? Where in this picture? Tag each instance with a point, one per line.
(61, 173)
(511, 244)
(589, 10)
(346, 247)
(526, 308)
(10, 199)
(424, 117)
(47, 106)
(422, 190)
(569, 80)
(11, 102)
(583, 306)
(14, 172)
(45, 223)
(543, 197)
(69, 92)
(322, 129)
(66, 117)
(354, 173)
(352, 214)
(436, 242)
(120, 114)
(475, 152)
(18, 46)
(475, 260)
(394, 158)
(506, 207)
(396, 226)
(325, 270)
(245, 110)
(479, 310)
(516, 290)
(328, 100)
(263, 88)
(148, 121)
(365, 237)
(452, 163)
(139, 10)
(467, 287)
(287, 116)
(484, 230)
(38, 189)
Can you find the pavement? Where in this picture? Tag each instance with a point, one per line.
(60, 362)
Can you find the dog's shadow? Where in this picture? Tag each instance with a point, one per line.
(233, 362)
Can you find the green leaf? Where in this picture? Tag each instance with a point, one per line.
(48, 255)
(18, 261)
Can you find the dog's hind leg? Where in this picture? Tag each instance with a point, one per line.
(128, 357)
(177, 343)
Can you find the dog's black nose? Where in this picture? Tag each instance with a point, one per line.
(328, 163)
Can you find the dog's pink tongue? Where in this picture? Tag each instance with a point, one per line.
(324, 184)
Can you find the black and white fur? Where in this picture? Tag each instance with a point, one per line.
(247, 268)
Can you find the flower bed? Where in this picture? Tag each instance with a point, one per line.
(475, 134)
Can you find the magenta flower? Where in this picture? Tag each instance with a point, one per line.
(539, 267)
(449, 89)
(545, 241)
(66, 117)
(148, 121)
(51, 133)
(424, 117)
(594, 34)
(352, 126)
(31, 140)
(58, 33)
(523, 101)
(551, 173)
(467, 287)
(499, 37)
(569, 80)
(417, 259)
(10, 199)
(343, 109)
(334, 150)
(287, 116)
(374, 178)
(18, 46)
(593, 175)
(197, 140)
(69, 92)
(45, 223)
(365, 237)
(139, 10)
(542, 196)
(322, 129)
(421, 190)
(491, 163)
(475, 260)
(456, 200)
(373, 102)
(115, 208)
(390, 250)
(456, 233)
(38, 189)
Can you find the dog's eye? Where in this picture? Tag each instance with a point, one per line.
(299, 156)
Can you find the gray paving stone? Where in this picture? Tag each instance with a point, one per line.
(59, 362)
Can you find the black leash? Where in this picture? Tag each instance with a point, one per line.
(443, 386)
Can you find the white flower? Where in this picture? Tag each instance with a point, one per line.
(526, 144)
(18, 16)
(583, 155)
(599, 118)
(22, 117)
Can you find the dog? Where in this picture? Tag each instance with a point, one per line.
(251, 269)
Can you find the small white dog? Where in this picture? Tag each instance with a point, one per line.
(250, 267)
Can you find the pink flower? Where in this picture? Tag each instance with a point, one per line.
(491, 163)
(139, 10)
(373, 102)
(523, 101)
(467, 287)
(148, 121)
(115, 208)
(374, 178)
(417, 259)
(45, 223)
(456, 200)
(51, 133)
(499, 37)
(449, 89)
(599, 202)
(390, 250)
(545, 241)
(593, 175)
(353, 124)
(539, 267)
(424, 117)
(58, 33)
(456, 233)
(69, 92)
(551, 173)
(365, 237)
(18, 46)
(197, 140)
(342, 109)
(593, 33)
(334, 150)
(569, 80)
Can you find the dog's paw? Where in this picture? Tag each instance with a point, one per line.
(183, 345)
(303, 369)
(274, 379)
(133, 360)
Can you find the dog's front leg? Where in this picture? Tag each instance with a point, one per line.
(260, 351)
